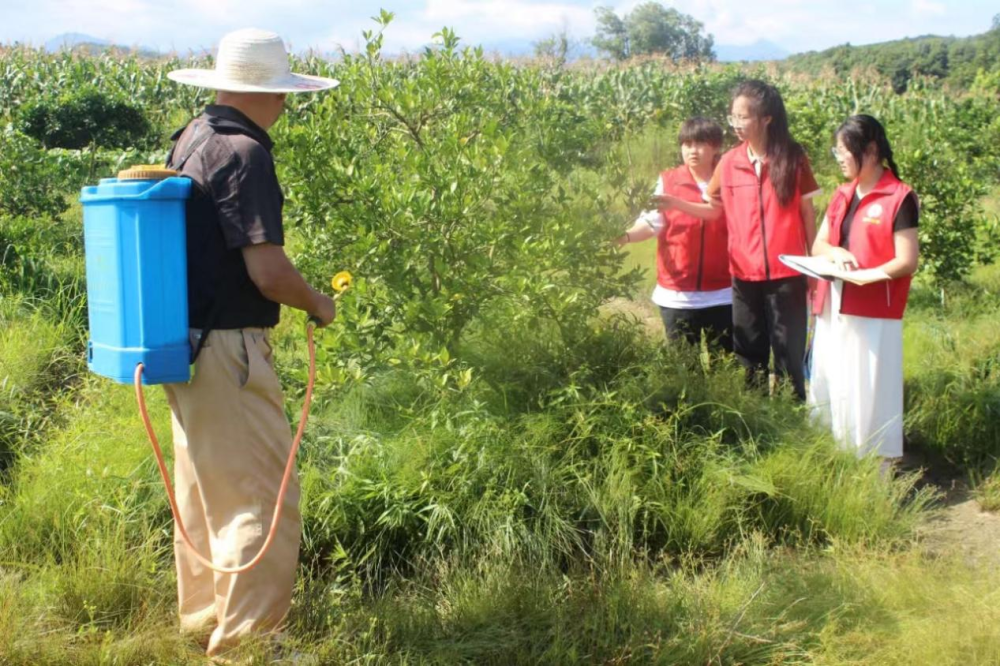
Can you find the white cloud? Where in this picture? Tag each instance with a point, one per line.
(735, 22)
(508, 15)
(475, 21)
(929, 8)
(183, 24)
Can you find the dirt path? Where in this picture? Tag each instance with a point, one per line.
(644, 311)
(962, 528)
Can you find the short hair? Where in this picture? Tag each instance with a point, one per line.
(700, 130)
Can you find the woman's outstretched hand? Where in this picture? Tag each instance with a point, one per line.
(662, 201)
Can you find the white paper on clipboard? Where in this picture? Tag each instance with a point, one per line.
(823, 269)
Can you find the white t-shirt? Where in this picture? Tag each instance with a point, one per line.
(682, 300)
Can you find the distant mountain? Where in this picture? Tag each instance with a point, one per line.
(508, 47)
(75, 41)
(954, 60)
(759, 50)
(71, 40)
(514, 48)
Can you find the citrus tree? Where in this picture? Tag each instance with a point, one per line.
(433, 180)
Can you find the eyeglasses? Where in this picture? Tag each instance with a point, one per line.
(840, 156)
(738, 123)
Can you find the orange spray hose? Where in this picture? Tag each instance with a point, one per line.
(289, 466)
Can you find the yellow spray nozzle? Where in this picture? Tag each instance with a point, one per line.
(341, 282)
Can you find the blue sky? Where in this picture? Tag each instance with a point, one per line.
(795, 25)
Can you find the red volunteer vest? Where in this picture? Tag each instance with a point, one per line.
(692, 254)
(760, 228)
(872, 244)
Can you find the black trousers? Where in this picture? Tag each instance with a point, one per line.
(771, 317)
(716, 322)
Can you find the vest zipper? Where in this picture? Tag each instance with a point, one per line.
(701, 255)
(763, 228)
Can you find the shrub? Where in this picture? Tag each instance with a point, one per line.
(436, 193)
(661, 459)
(952, 373)
(83, 118)
(31, 179)
(35, 358)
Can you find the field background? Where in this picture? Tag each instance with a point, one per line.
(505, 464)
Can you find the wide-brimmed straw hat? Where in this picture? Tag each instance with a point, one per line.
(255, 61)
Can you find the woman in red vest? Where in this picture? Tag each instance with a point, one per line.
(870, 226)
(766, 186)
(693, 286)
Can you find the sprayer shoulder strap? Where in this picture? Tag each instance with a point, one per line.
(222, 296)
(201, 134)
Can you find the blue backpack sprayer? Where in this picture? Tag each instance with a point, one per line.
(136, 262)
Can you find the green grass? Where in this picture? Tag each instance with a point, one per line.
(84, 539)
(94, 477)
(42, 261)
(633, 508)
(642, 256)
(757, 606)
(41, 320)
(626, 510)
(37, 358)
(988, 491)
(29, 340)
(952, 370)
(932, 612)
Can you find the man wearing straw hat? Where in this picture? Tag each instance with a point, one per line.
(231, 436)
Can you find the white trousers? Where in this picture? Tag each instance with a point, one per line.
(856, 386)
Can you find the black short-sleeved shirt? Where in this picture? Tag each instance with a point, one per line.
(236, 202)
(906, 217)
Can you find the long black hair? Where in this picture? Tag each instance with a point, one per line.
(784, 154)
(858, 132)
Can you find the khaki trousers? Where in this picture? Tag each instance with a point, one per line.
(231, 443)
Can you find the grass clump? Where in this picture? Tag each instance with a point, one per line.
(988, 491)
(758, 605)
(95, 477)
(36, 360)
(663, 457)
(952, 371)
